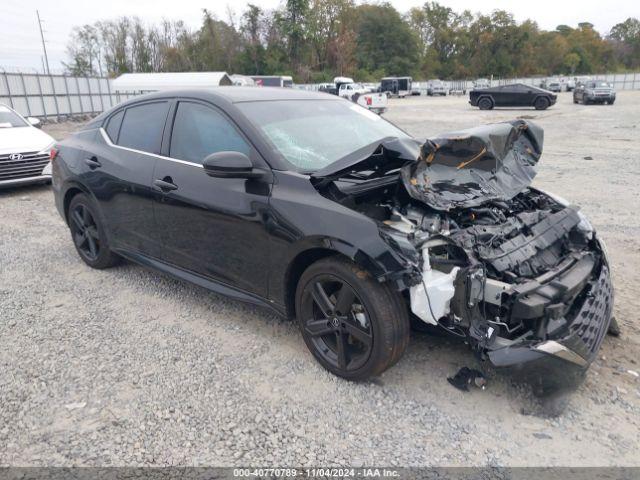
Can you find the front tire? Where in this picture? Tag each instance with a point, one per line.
(87, 233)
(353, 325)
(541, 103)
(485, 103)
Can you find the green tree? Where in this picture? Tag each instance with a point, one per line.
(251, 27)
(626, 42)
(384, 41)
(571, 62)
(84, 52)
(316, 39)
(294, 23)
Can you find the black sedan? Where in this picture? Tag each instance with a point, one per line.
(322, 211)
(515, 95)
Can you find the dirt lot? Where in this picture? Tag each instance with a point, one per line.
(126, 366)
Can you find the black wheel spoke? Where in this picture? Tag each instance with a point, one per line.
(93, 247)
(85, 232)
(343, 350)
(322, 300)
(318, 328)
(357, 333)
(93, 232)
(79, 238)
(77, 219)
(86, 216)
(345, 298)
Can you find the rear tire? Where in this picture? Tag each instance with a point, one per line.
(485, 103)
(353, 325)
(88, 234)
(541, 103)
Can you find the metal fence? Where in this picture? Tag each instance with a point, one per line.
(57, 96)
(620, 81)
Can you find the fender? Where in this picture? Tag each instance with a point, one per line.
(62, 204)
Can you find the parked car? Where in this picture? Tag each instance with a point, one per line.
(348, 90)
(594, 91)
(553, 85)
(514, 95)
(570, 84)
(24, 150)
(436, 87)
(328, 88)
(481, 83)
(360, 94)
(322, 211)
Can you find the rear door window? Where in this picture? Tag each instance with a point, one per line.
(142, 127)
(199, 131)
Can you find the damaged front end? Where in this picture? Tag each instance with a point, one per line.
(518, 272)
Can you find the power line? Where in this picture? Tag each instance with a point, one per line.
(44, 47)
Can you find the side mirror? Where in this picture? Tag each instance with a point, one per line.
(230, 165)
(34, 122)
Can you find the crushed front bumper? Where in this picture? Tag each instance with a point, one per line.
(561, 361)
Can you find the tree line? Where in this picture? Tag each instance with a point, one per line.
(315, 40)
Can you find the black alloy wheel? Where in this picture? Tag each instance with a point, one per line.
(87, 233)
(485, 103)
(353, 325)
(541, 103)
(337, 323)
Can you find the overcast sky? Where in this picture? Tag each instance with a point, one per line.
(21, 47)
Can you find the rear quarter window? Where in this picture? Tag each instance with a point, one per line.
(142, 127)
(113, 126)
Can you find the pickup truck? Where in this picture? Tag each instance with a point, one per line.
(436, 87)
(357, 93)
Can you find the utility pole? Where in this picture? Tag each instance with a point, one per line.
(44, 47)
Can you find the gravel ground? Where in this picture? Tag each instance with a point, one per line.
(129, 367)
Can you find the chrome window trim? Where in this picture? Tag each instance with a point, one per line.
(162, 157)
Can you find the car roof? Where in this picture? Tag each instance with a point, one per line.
(222, 95)
(234, 94)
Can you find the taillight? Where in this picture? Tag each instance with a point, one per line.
(53, 153)
(369, 101)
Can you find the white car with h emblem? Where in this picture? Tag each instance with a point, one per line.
(24, 150)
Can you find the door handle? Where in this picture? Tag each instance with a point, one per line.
(166, 184)
(92, 162)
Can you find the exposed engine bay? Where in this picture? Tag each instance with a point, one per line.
(517, 272)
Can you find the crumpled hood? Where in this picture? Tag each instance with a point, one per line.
(383, 155)
(470, 167)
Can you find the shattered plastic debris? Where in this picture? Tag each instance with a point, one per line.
(467, 376)
(75, 406)
(614, 328)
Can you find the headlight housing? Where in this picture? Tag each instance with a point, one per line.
(584, 225)
(47, 149)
